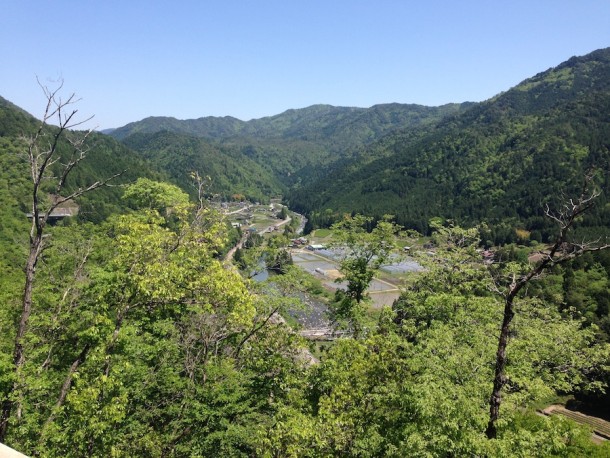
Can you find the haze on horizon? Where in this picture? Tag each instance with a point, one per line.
(128, 61)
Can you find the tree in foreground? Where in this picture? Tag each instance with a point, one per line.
(563, 249)
(277, 258)
(363, 251)
(421, 388)
(52, 153)
(154, 348)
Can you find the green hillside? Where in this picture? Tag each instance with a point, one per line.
(130, 334)
(342, 125)
(105, 157)
(298, 145)
(230, 172)
(500, 161)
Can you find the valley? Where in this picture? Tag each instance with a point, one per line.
(448, 267)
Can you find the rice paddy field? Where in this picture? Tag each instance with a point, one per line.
(324, 265)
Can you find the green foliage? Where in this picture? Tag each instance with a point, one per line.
(228, 171)
(142, 343)
(499, 162)
(182, 357)
(153, 195)
(364, 251)
(420, 386)
(283, 213)
(164, 350)
(278, 260)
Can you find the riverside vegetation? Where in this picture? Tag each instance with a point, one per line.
(139, 341)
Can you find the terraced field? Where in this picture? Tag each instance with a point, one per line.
(600, 427)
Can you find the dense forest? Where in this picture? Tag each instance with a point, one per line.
(500, 162)
(135, 336)
(296, 146)
(229, 172)
(469, 162)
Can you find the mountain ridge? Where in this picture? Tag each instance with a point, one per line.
(501, 160)
(465, 161)
(299, 145)
(230, 172)
(269, 126)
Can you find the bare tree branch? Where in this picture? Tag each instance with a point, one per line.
(41, 159)
(560, 252)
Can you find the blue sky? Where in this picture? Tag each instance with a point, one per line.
(131, 59)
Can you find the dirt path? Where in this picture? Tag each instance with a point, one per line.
(247, 207)
(231, 252)
(240, 244)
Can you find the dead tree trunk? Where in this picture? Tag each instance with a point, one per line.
(43, 153)
(561, 251)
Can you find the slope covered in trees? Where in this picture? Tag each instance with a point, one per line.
(108, 157)
(297, 145)
(229, 171)
(140, 342)
(501, 161)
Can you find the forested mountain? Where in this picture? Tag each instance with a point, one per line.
(501, 161)
(128, 334)
(230, 172)
(297, 145)
(322, 122)
(108, 157)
